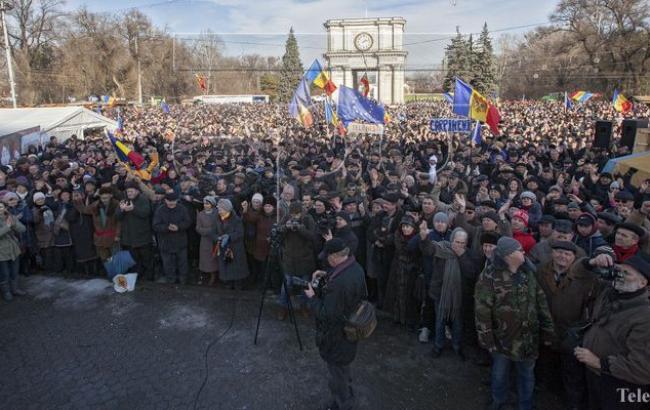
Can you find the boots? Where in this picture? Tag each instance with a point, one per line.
(6, 292)
(15, 289)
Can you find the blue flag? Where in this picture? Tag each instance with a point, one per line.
(354, 106)
(476, 134)
(164, 106)
(448, 97)
(567, 102)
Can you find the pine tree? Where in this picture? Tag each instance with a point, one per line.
(458, 57)
(485, 79)
(292, 69)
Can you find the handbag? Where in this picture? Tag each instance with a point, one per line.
(361, 323)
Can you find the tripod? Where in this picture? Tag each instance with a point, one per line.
(273, 256)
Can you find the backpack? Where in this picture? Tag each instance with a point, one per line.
(361, 322)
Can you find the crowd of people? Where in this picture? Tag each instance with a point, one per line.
(520, 250)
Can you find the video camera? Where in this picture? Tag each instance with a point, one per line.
(300, 283)
(610, 274)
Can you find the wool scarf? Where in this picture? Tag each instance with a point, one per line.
(450, 303)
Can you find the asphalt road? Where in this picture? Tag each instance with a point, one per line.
(76, 344)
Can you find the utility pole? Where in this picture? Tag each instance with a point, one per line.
(5, 6)
(137, 56)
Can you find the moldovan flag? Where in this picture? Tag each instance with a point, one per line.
(621, 104)
(317, 76)
(124, 153)
(471, 104)
(300, 103)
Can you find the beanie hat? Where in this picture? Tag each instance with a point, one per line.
(506, 246)
(38, 195)
(257, 197)
(520, 214)
(529, 195)
(225, 204)
(8, 196)
(212, 200)
(343, 215)
(489, 237)
(491, 215)
(441, 217)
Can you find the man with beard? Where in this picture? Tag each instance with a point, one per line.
(615, 348)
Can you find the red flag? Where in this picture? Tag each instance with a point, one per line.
(330, 87)
(366, 85)
(492, 119)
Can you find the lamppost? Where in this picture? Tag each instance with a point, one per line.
(6, 6)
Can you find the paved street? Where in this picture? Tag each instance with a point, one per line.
(75, 344)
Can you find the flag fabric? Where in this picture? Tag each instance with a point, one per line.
(124, 153)
(164, 106)
(567, 101)
(621, 104)
(120, 124)
(581, 96)
(330, 114)
(476, 134)
(317, 76)
(108, 100)
(471, 104)
(387, 117)
(448, 97)
(366, 84)
(354, 106)
(300, 103)
(201, 82)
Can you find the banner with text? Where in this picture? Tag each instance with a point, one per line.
(451, 125)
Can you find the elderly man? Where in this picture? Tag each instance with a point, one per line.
(453, 277)
(615, 348)
(626, 240)
(570, 294)
(134, 214)
(171, 223)
(345, 288)
(511, 311)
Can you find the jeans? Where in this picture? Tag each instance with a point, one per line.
(9, 270)
(501, 380)
(174, 263)
(456, 333)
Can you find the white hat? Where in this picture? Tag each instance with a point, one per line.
(257, 197)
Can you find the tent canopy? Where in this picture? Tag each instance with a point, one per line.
(61, 122)
(639, 161)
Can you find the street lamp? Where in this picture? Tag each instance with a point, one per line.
(6, 6)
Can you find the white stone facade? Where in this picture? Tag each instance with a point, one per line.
(350, 54)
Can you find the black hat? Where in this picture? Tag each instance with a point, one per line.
(171, 196)
(624, 196)
(391, 197)
(492, 215)
(344, 216)
(561, 201)
(586, 219)
(132, 184)
(489, 237)
(563, 226)
(566, 245)
(350, 200)
(489, 203)
(640, 264)
(637, 229)
(159, 190)
(407, 220)
(269, 200)
(481, 177)
(334, 245)
(295, 208)
(547, 219)
(610, 218)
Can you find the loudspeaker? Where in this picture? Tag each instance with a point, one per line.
(628, 131)
(603, 134)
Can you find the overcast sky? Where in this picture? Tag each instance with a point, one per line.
(267, 22)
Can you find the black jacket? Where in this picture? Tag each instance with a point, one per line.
(171, 241)
(135, 230)
(340, 296)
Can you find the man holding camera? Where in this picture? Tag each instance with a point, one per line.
(615, 348)
(341, 289)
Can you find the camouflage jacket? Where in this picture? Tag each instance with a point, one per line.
(510, 311)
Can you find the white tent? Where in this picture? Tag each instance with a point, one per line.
(61, 122)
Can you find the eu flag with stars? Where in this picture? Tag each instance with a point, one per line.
(354, 106)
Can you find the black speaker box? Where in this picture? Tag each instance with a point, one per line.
(603, 134)
(628, 131)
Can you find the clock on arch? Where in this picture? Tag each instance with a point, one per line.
(363, 41)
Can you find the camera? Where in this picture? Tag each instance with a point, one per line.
(293, 225)
(610, 274)
(300, 283)
(325, 225)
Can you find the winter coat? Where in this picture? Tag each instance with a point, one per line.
(206, 227)
(9, 246)
(427, 263)
(406, 266)
(104, 233)
(61, 228)
(346, 235)
(571, 301)
(590, 243)
(262, 224)
(542, 252)
(525, 239)
(341, 295)
(135, 225)
(237, 268)
(171, 241)
(298, 252)
(81, 230)
(474, 232)
(620, 333)
(42, 229)
(24, 214)
(511, 312)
